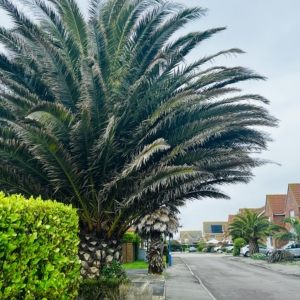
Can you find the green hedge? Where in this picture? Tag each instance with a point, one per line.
(130, 237)
(238, 244)
(38, 249)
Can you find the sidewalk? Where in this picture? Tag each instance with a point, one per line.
(179, 282)
(139, 277)
(182, 284)
(285, 268)
(289, 269)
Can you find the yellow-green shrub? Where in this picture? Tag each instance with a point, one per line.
(38, 249)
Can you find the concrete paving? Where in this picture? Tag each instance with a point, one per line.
(139, 277)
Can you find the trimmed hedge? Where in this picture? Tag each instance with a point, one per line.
(38, 249)
(130, 237)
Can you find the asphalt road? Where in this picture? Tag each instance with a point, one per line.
(231, 280)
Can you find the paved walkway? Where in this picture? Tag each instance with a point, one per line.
(140, 277)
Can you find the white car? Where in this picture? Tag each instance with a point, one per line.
(217, 249)
(227, 247)
(262, 249)
(293, 248)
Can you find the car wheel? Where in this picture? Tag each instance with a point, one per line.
(247, 254)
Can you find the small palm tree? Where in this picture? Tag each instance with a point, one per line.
(154, 225)
(251, 227)
(289, 235)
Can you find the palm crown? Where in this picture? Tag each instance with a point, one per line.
(284, 235)
(250, 226)
(106, 115)
(162, 221)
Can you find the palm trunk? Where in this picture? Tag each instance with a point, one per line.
(96, 253)
(155, 259)
(253, 247)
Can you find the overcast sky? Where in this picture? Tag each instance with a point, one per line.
(269, 32)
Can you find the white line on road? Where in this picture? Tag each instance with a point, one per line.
(200, 281)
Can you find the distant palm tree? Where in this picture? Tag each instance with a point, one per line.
(161, 222)
(289, 235)
(251, 227)
(107, 115)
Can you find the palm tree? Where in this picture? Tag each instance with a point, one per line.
(106, 115)
(161, 222)
(289, 235)
(251, 227)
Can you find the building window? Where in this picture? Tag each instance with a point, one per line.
(216, 229)
(292, 213)
(212, 236)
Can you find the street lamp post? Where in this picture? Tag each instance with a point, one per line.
(170, 256)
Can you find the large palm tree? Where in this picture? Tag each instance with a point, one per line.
(251, 227)
(288, 235)
(161, 222)
(106, 115)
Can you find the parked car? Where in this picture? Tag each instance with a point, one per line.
(217, 249)
(229, 247)
(293, 248)
(192, 249)
(262, 249)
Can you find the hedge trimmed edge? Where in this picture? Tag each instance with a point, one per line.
(38, 249)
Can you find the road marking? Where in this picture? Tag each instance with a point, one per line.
(200, 281)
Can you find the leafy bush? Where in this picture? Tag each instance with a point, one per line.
(114, 270)
(108, 286)
(38, 249)
(130, 237)
(104, 288)
(288, 256)
(201, 246)
(259, 256)
(236, 251)
(238, 244)
(175, 245)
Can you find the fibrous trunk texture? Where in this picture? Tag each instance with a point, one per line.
(155, 259)
(96, 253)
(253, 247)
